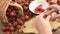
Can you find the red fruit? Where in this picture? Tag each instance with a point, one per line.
(11, 29)
(25, 8)
(39, 9)
(20, 22)
(7, 32)
(3, 29)
(6, 28)
(58, 2)
(21, 4)
(26, 3)
(16, 8)
(17, 19)
(9, 24)
(13, 18)
(26, 17)
(19, 1)
(18, 26)
(40, 6)
(15, 23)
(12, 14)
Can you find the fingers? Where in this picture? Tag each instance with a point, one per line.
(58, 16)
(40, 17)
(55, 6)
(42, 14)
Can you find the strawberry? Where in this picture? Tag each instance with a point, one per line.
(9, 24)
(26, 17)
(26, 3)
(20, 22)
(19, 1)
(25, 8)
(16, 8)
(11, 29)
(12, 14)
(18, 26)
(3, 29)
(7, 32)
(7, 28)
(15, 23)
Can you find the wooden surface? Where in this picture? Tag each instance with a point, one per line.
(30, 27)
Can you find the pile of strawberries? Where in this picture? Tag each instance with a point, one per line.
(39, 9)
(14, 15)
(25, 5)
(15, 19)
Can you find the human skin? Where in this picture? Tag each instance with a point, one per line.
(42, 24)
(58, 8)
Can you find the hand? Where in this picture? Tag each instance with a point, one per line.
(57, 15)
(55, 7)
(42, 24)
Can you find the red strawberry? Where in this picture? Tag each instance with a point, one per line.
(12, 14)
(20, 22)
(16, 8)
(18, 26)
(25, 8)
(7, 32)
(3, 29)
(19, 1)
(40, 6)
(6, 28)
(13, 18)
(26, 17)
(17, 19)
(26, 3)
(21, 4)
(9, 24)
(15, 23)
(11, 29)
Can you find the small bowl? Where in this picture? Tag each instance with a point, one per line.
(36, 3)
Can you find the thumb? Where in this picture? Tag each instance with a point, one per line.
(48, 18)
